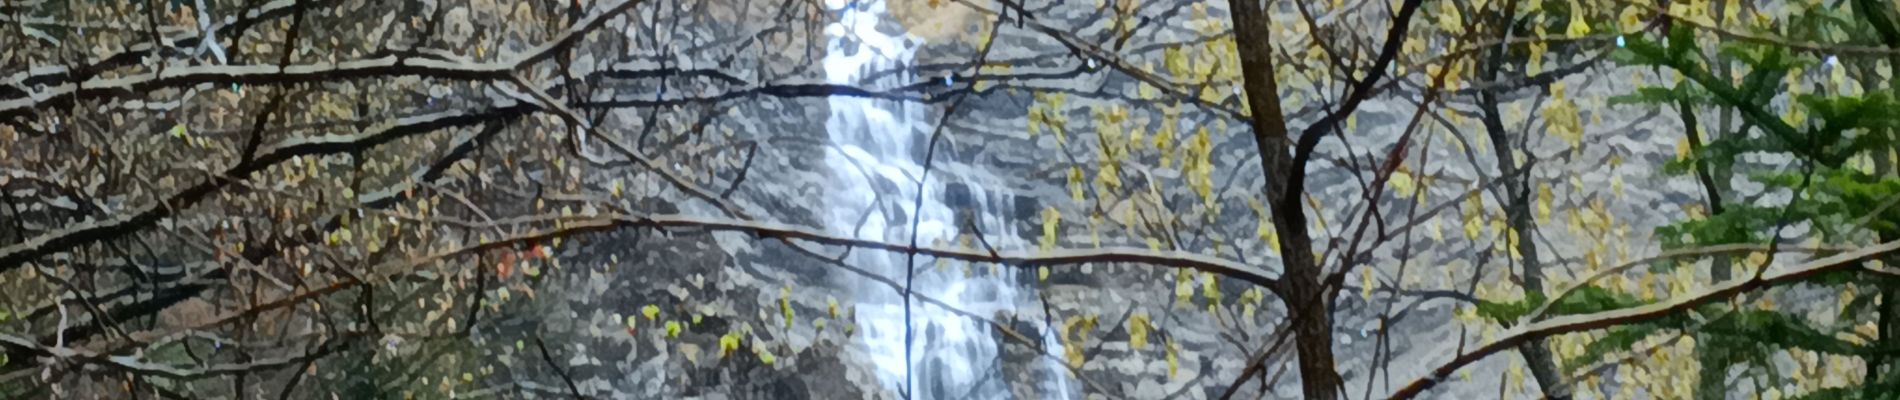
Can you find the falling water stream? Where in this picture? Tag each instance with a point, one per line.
(877, 148)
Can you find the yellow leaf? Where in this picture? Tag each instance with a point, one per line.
(1437, 228)
(1164, 143)
(1544, 199)
(1449, 19)
(1535, 62)
(1682, 282)
(1577, 25)
(673, 329)
(1269, 234)
(1183, 287)
(1694, 211)
(1138, 331)
(1561, 118)
(1075, 184)
(1042, 274)
(766, 357)
(728, 344)
(1365, 283)
(785, 304)
(1794, 82)
(1516, 378)
(1401, 181)
(1497, 225)
(1176, 62)
(1210, 287)
(1864, 163)
(1847, 297)
(1631, 20)
(1050, 220)
(1035, 121)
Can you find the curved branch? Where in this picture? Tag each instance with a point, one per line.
(1601, 320)
(608, 222)
(63, 94)
(1310, 137)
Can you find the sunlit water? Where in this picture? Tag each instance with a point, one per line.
(879, 143)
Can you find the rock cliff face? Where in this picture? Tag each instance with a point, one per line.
(888, 122)
(732, 281)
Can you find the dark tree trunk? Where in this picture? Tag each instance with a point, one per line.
(1300, 284)
(1517, 209)
(1517, 205)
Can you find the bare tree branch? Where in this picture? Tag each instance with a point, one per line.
(101, 230)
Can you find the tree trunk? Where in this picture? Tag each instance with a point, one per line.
(1300, 283)
(1312, 334)
(1517, 208)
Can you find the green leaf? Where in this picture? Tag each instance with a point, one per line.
(1583, 300)
(1768, 330)
(1618, 339)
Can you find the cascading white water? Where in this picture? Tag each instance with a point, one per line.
(873, 145)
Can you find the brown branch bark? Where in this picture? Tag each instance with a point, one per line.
(1284, 163)
(1311, 320)
(1517, 206)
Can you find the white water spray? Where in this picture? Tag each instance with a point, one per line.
(877, 144)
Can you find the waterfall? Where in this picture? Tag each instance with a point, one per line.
(877, 147)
